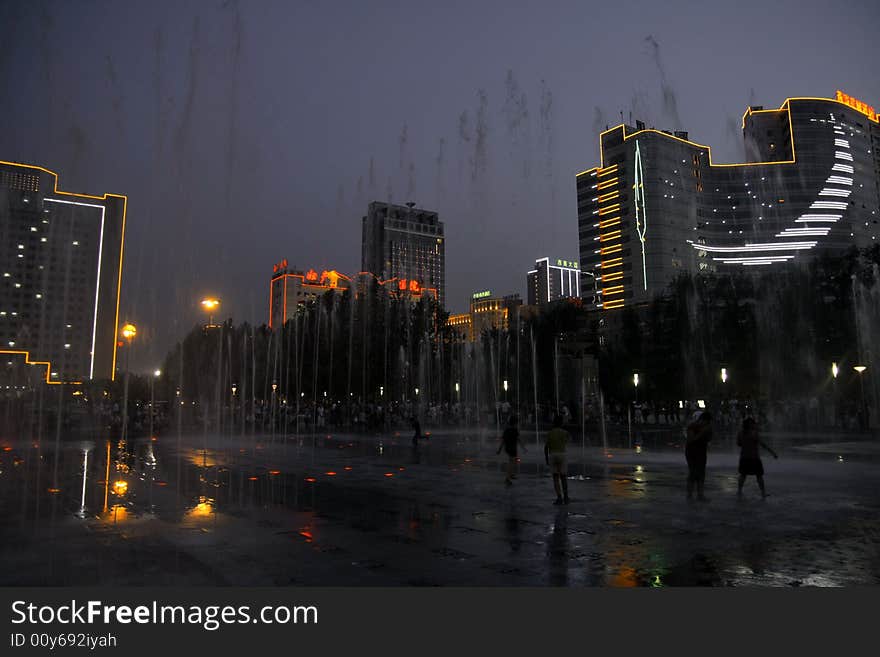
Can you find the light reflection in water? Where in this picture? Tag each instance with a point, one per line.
(203, 509)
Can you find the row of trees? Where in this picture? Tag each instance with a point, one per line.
(775, 332)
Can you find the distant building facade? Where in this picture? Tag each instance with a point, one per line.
(60, 275)
(551, 280)
(404, 243)
(290, 288)
(486, 313)
(658, 205)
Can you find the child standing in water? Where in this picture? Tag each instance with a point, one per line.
(510, 441)
(750, 456)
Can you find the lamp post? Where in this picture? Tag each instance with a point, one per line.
(129, 331)
(835, 370)
(232, 408)
(210, 304)
(864, 422)
(633, 410)
(155, 376)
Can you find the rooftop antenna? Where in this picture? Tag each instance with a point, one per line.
(410, 205)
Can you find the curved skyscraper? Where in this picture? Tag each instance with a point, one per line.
(658, 204)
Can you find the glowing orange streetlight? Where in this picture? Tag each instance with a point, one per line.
(210, 304)
(128, 332)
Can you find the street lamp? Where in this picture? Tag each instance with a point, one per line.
(860, 369)
(128, 332)
(835, 370)
(210, 304)
(155, 376)
(723, 375)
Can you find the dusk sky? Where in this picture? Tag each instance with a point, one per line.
(247, 132)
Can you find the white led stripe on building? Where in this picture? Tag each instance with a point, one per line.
(846, 168)
(748, 248)
(98, 281)
(840, 155)
(807, 218)
(828, 205)
(842, 143)
(740, 261)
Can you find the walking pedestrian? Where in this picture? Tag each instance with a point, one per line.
(699, 433)
(509, 441)
(750, 463)
(554, 455)
(417, 431)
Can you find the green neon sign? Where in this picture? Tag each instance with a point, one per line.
(483, 295)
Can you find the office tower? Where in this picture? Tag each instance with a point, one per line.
(658, 204)
(404, 243)
(61, 269)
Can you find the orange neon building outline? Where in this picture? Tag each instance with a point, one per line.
(28, 361)
(785, 107)
(121, 252)
(601, 170)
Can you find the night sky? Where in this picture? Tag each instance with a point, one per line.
(248, 132)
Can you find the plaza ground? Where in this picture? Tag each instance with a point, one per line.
(373, 510)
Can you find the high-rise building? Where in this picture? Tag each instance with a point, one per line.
(486, 313)
(405, 243)
(551, 280)
(61, 269)
(658, 205)
(292, 287)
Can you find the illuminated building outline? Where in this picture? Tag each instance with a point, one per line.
(98, 281)
(639, 199)
(611, 269)
(105, 197)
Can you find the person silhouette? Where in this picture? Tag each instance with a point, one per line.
(509, 441)
(699, 433)
(417, 431)
(554, 455)
(750, 463)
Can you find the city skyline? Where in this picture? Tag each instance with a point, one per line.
(179, 107)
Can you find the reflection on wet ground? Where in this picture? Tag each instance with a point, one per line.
(369, 510)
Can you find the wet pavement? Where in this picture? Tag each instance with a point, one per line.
(371, 510)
